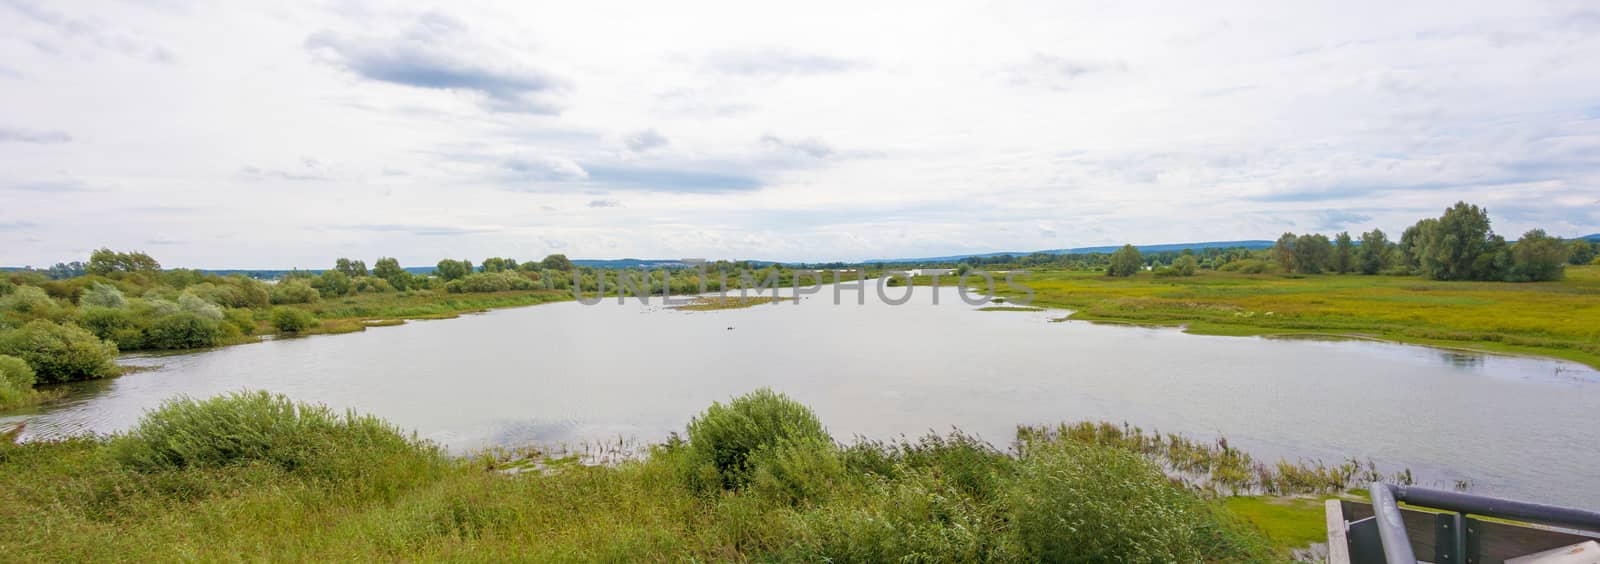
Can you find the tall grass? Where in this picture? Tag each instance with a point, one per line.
(256, 474)
(1215, 466)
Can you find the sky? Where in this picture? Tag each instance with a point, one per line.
(269, 135)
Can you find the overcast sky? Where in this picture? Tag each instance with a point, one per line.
(242, 134)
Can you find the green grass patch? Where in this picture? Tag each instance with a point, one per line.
(1290, 522)
(729, 302)
(1559, 319)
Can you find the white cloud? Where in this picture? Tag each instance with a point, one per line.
(908, 129)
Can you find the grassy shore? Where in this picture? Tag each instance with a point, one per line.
(754, 479)
(371, 310)
(1557, 319)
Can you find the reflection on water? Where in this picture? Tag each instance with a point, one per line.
(1462, 359)
(566, 373)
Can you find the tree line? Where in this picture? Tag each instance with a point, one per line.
(1458, 245)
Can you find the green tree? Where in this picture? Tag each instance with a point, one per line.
(1283, 252)
(557, 262)
(1538, 257)
(332, 284)
(1344, 253)
(1411, 242)
(351, 268)
(105, 261)
(498, 264)
(1312, 253)
(1581, 252)
(1125, 262)
(1186, 265)
(452, 269)
(1454, 249)
(389, 270)
(1372, 255)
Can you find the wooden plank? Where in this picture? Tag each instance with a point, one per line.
(1338, 545)
(1496, 541)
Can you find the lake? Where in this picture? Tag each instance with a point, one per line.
(568, 373)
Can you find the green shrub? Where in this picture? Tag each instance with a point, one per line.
(805, 470)
(372, 285)
(963, 461)
(490, 282)
(191, 303)
(917, 517)
(725, 436)
(1074, 502)
(294, 291)
(1165, 272)
(102, 295)
(1249, 266)
(109, 324)
(1186, 265)
(60, 353)
(16, 372)
(183, 330)
(245, 428)
(28, 303)
(291, 320)
(16, 382)
(241, 318)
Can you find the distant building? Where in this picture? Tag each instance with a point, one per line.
(932, 271)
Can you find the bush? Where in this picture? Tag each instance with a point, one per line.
(1166, 272)
(108, 323)
(103, 295)
(183, 330)
(490, 282)
(60, 353)
(16, 381)
(372, 285)
(797, 472)
(28, 303)
(725, 436)
(291, 320)
(191, 303)
(1249, 266)
(16, 372)
(243, 319)
(294, 291)
(1086, 503)
(260, 428)
(1186, 265)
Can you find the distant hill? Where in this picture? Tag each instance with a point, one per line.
(1248, 244)
(631, 263)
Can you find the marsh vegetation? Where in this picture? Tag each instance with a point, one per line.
(755, 478)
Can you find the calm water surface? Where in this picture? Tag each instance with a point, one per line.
(569, 373)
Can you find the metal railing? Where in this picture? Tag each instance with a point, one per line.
(1455, 537)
